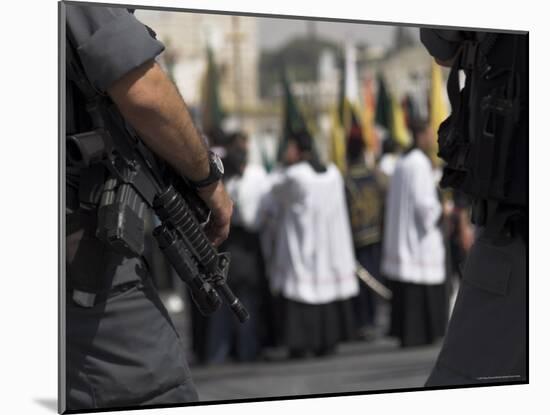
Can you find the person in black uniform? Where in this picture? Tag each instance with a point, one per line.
(484, 143)
(122, 348)
(365, 198)
(225, 336)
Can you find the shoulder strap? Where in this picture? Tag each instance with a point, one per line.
(487, 43)
(472, 56)
(512, 84)
(474, 53)
(75, 73)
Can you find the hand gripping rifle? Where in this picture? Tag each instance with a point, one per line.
(136, 180)
(196, 261)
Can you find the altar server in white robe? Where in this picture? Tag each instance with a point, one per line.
(309, 250)
(413, 256)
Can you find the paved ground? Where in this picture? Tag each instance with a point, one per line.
(356, 367)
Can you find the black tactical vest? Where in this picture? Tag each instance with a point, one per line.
(484, 141)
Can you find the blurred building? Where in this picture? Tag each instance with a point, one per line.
(250, 89)
(233, 40)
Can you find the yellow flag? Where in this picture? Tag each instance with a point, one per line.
(370, 133)
(438, 105)
(399, 127)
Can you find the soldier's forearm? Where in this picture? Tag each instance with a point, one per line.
(152, 105)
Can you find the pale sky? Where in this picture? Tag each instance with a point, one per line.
(275, 32)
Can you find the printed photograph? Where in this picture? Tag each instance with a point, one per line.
(263, 207)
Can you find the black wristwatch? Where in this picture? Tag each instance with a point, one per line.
(215, 174)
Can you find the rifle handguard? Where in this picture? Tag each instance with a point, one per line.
(175, 213)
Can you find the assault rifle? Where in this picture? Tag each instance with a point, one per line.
(136, 180)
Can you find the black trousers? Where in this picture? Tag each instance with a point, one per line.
(124, 351)
(225, 332)
(419, 313)
(365, 304)
(487, 335)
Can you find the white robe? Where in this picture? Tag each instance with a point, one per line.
(247, 191)
(413, 249)
(309, 251)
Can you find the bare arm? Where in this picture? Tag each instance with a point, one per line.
(150, 102)
(152, 105)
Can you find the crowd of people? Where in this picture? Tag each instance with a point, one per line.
(301, 232)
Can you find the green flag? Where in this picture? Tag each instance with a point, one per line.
(211, 109)
(293, 120)
(267, 161)
(383, 106)
(337, 137)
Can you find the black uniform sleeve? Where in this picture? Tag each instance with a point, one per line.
(110, 42)
(441, 44)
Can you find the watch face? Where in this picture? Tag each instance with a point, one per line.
(218, 163)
